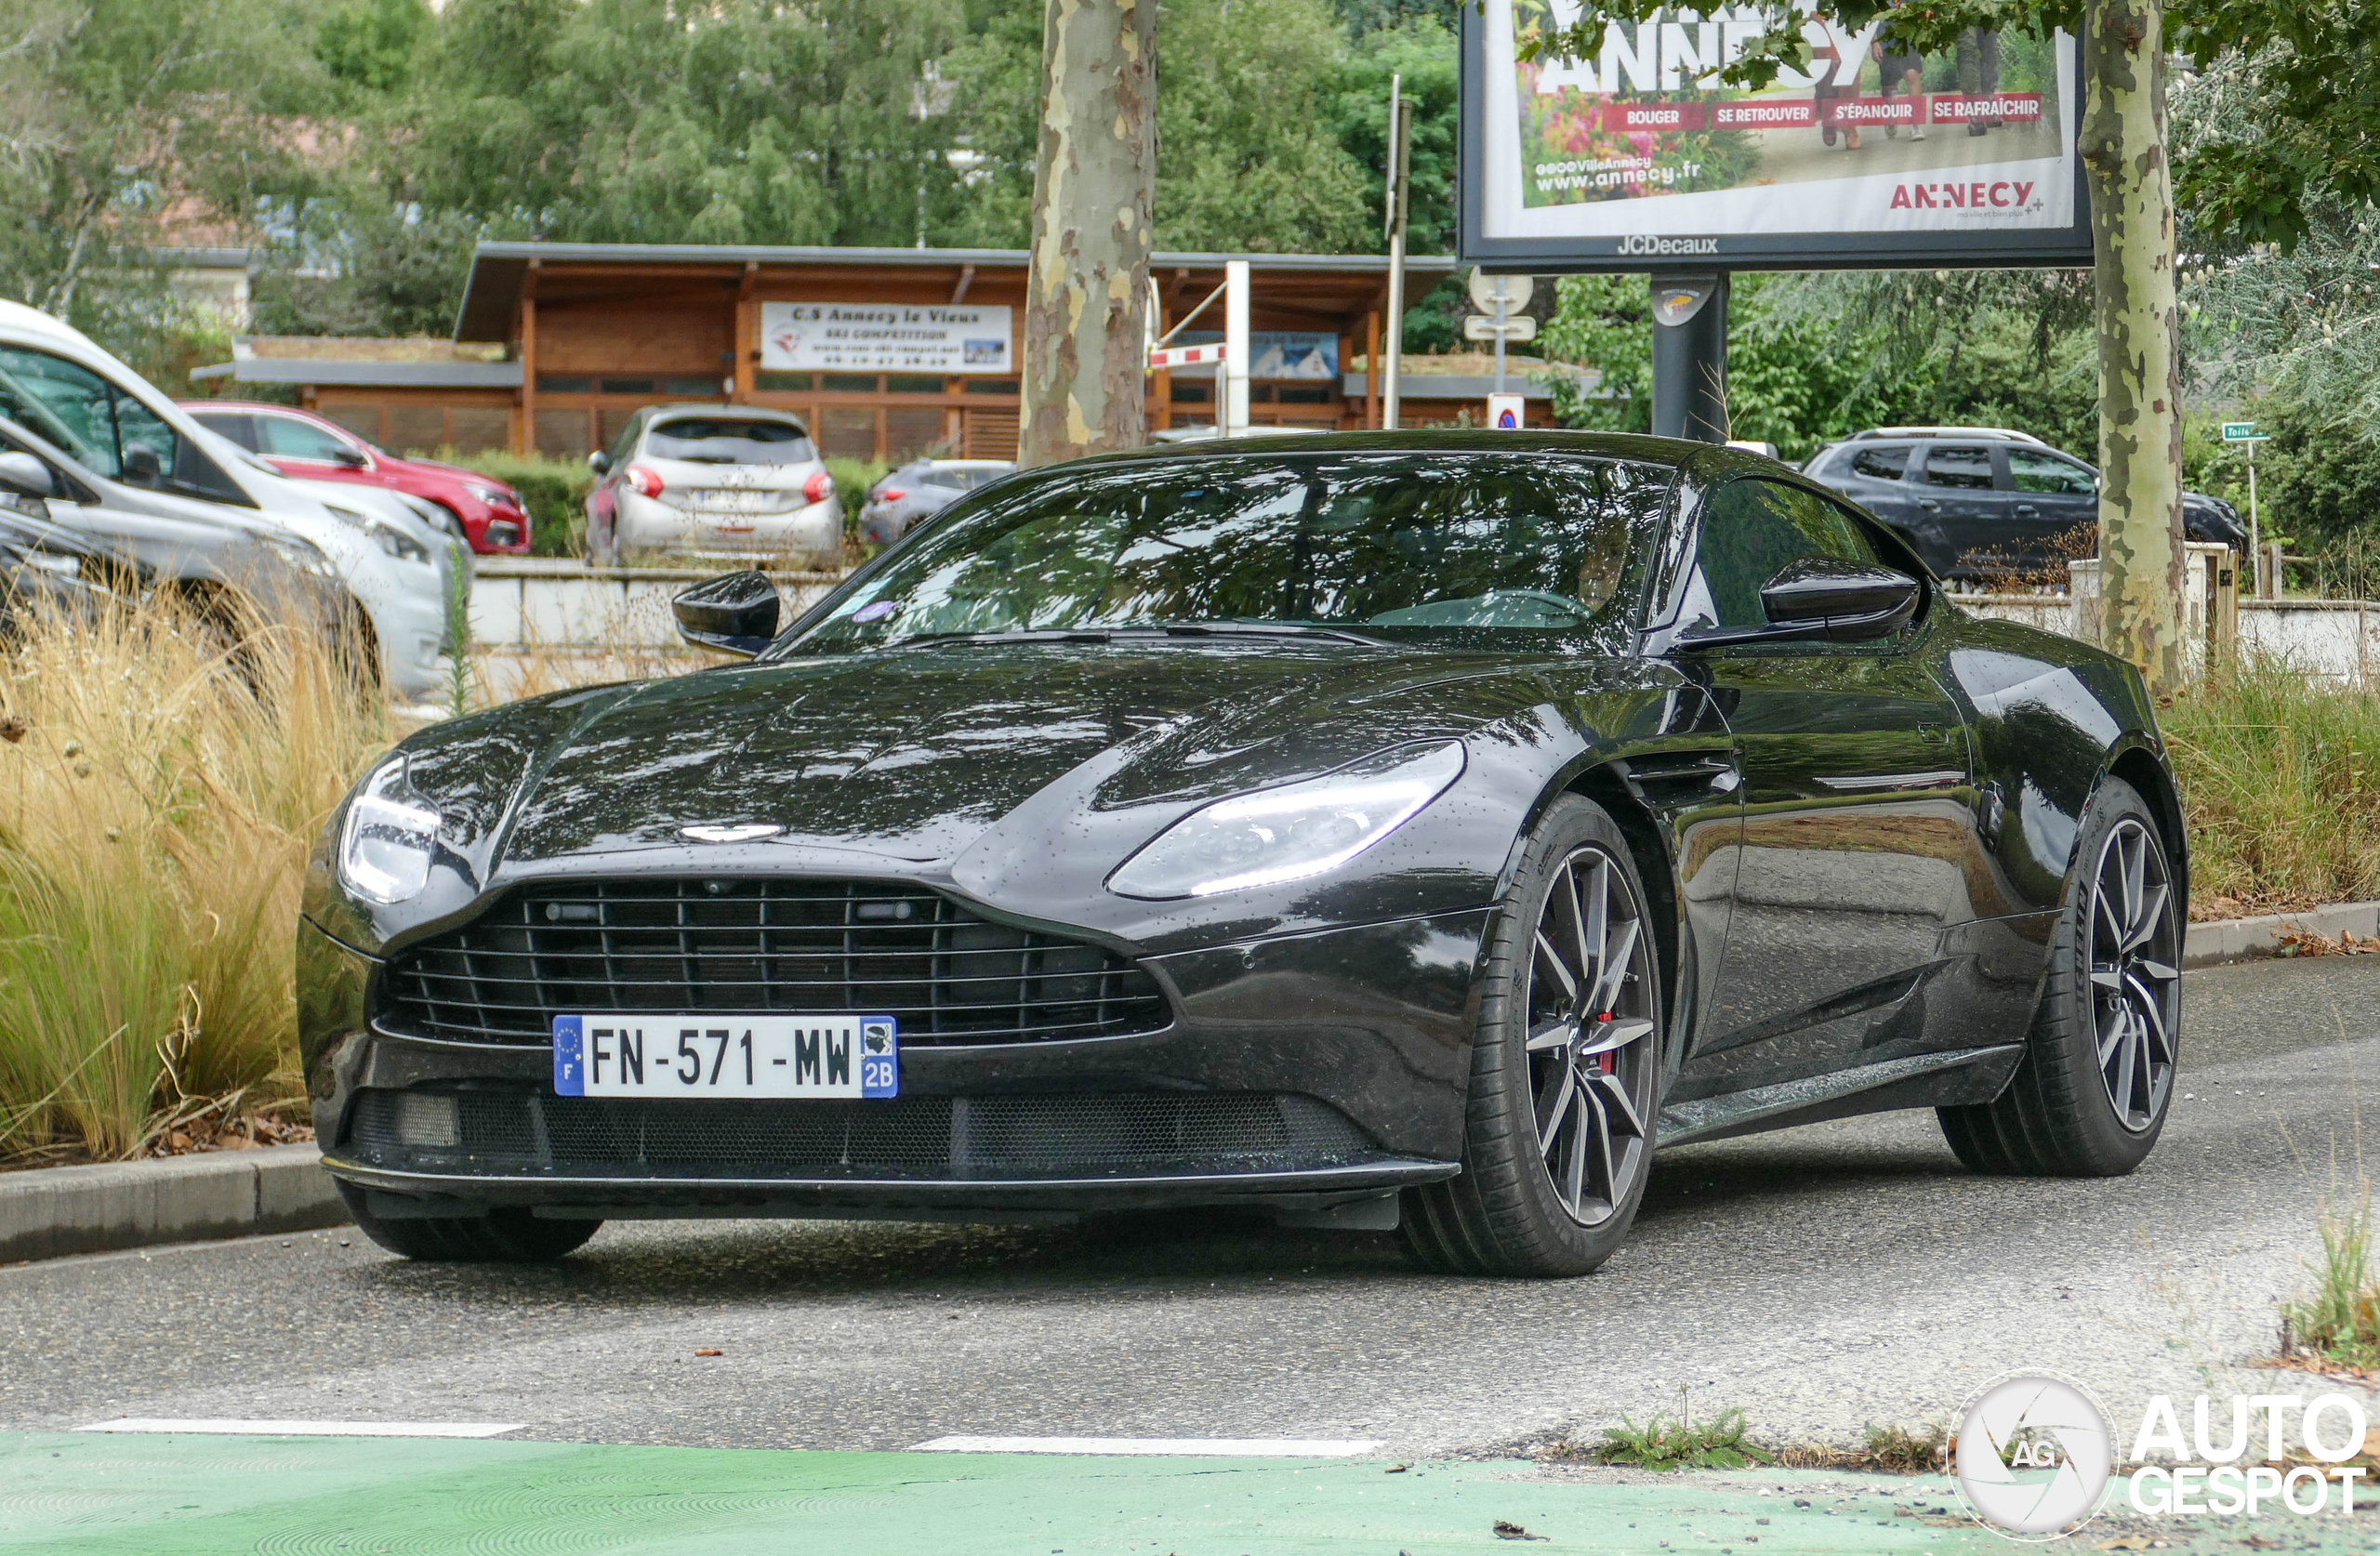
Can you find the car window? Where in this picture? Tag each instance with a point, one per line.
(1888, 463)
(98, 423)
(729, 441)
(949, 480)
(287, 438)
(2031, 470)
(1751, 529)
(1966, 466)
(238, 426)
(1465, 542)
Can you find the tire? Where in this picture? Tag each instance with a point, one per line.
(2097, 1082)
(503, 1236)
(1556, 1146)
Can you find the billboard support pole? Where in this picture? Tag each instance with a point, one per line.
(1690, 357)
(1400, 145)
(1236, 348)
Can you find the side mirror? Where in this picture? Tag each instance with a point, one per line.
(1820, 599)
(600, 462)
(354, 458)
(735, 613)
(25, 476)
(141, 465)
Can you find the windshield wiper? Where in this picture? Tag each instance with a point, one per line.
(1008, 635)
(1269, 629)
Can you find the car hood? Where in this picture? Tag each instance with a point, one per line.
(915, 754)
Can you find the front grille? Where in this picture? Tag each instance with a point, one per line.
(1130, 1134)
(754, 948)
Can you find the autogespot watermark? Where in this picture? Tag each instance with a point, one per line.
(2036, 1457)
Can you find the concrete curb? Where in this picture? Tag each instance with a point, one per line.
(52, 1211)
(2237, 940)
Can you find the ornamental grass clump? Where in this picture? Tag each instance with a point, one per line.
(2279, 773)
(162, 780)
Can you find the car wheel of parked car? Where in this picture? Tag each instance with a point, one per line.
(2091, 1096)
(1564, 1068)
(501, 1236)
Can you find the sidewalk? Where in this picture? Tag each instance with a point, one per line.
(89, 1494)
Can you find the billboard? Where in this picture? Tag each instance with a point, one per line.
(884, 338)
(1637, 159)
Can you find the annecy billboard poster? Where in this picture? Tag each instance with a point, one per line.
(1637, 158)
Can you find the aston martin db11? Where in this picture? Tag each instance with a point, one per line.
(1403, 831)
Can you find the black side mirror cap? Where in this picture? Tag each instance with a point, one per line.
(1820, 599)
(735, 613)
(354, 458)
(600, 462)
(26, 476)
(141, 466)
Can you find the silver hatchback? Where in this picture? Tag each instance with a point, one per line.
(715, 481)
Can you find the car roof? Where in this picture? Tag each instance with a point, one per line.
(719, 408)
(1703, 456)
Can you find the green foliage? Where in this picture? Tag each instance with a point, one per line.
(2280, 774)
(1605, 322)
(373, 43)
(367, 267)
(2340, 1323)
(852, 478)
(1666, 1442)
(1422, 53)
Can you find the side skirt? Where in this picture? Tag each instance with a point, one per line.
(1928, 1080)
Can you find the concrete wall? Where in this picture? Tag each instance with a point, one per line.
(542, 603)
(2335, 638)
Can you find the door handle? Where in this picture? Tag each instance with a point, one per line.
(1929, 505)
(2026, 510)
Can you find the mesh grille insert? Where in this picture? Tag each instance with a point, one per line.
(759, 946)
(1105, 1135)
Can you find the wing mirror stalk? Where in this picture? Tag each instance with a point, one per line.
(1818, 600)
(735, 613)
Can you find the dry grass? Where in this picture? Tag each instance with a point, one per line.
(2280, 772)
(160, 787)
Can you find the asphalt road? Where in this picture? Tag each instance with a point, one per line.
(1819, 1279)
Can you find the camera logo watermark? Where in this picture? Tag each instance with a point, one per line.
(2035, 1453)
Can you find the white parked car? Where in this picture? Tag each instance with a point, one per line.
(713, 480)
(122, 428)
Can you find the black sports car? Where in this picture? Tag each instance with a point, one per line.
(1401, 830)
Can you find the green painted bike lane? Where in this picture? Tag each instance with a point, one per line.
(101, 1494)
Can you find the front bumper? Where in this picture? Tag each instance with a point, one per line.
(1300, 1071)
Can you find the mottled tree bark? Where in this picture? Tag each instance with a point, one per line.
(2123, 136)
(1095, 184)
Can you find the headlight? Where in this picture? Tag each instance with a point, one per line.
(1293, 832)
(300, 554)
(399, 545)
(495, 496)
(384, 848)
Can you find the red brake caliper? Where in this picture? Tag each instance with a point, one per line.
(1606, 1058)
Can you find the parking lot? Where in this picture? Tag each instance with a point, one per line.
(1820, 1280)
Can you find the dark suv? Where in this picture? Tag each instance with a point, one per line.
(1984, 503)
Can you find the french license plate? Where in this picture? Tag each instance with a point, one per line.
(727, 1056)
(732, 500)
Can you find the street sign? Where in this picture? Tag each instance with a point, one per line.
(1185, 356)
(1506, 413)
(1514, 289)
(1479, 326)
(2244, 432)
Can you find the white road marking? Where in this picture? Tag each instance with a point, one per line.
(1215, 1447)
(225, 1428)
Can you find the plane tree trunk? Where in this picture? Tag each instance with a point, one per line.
(1094, 187)
(2123, 147)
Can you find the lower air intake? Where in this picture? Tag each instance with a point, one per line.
(1127, 1135)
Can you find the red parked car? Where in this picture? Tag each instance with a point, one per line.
(488, 514)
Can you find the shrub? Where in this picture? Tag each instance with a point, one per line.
(160, 787)
(2279, 773)
(852, 478)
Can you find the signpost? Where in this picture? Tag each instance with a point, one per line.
(1499, 297)
(2245, 432)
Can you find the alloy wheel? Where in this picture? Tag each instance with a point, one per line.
(1591, 1058)
(2135, 976)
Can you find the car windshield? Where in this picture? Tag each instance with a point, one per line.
(1388, 545)
(729, 441)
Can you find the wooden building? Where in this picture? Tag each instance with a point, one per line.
(886, 353)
